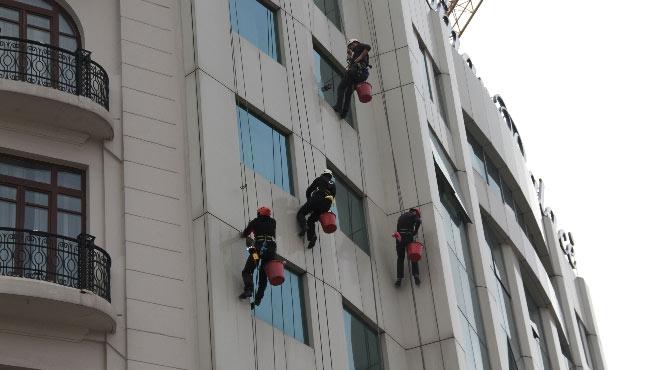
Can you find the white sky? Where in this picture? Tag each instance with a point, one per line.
(580, 79)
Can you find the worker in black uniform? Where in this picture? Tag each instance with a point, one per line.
(406, 227)
(320, 196)
(357, 56)
(262, 248)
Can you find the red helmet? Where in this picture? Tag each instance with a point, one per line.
(263, 211)
(417, 211)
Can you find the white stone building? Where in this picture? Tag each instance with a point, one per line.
(126, 175)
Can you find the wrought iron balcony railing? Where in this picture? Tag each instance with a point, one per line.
(75, 263)
(45, 65)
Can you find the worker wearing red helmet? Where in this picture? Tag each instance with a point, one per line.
(357, 56)
(406, 227)
(262, 248)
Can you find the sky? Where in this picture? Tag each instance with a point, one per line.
(581, 81)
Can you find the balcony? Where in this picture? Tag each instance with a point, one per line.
(53, 278)
(45, 85)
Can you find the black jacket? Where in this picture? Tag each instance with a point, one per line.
(357, 51)
(321, 187)
(408, 222)
(260, 226)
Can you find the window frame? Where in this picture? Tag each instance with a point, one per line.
(276, 127)
(300, 274)
(53, 15)
(340, 14)
(274, 9)
(367, 326)
(52, 190)
(340, 71)
(352, 190)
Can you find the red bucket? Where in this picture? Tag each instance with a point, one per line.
(414, 250)
(364, 91)
(275, 272)
(328, 222)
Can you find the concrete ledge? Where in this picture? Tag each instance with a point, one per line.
(53, 303)
(37, 105)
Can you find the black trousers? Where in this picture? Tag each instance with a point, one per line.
(313, 207)
(406, 238)
(344, 93)
(267, 251)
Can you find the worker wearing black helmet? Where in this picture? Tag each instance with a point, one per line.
(406, 227)
(357, 56)
(320, 196)
(262, 248)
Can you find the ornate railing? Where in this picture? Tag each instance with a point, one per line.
(75, 263)
(40, 64)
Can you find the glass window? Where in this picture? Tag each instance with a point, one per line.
(585, 341)
(331, 10)
(493, 177)
(543, 358)
(328, 75)
(477, 157)
(284, 307)
(264, 149)
(257, 23)
(69, 180)
(35, 20)
(361, 343)
(508, 196)
(464, 284)
(428, 71)
(350, 215)
(446, 162)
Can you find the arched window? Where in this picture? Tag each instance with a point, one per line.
(42, 21)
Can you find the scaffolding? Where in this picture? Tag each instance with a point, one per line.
(461, 12)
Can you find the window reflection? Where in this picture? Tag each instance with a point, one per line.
(283, 307)
(257, 23)
(361, 344)
(350, 214)
(331, 10)
(264, 149)
(328, 75)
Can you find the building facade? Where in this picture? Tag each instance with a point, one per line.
(138, 138)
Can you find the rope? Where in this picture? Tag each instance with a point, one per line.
(246, 204)
(372, 29)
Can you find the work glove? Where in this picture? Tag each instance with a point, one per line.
(397, 236)
(249, 241)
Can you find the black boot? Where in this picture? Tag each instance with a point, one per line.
(397, 283)
(247, 293)
(312, 242)
(417, 281)
(256, 303)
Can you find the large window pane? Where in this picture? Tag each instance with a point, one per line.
(328, 76)
(69, 180)
(464, 285)
(331, 10)
(428, 71)
(477, 157)
(585, 341)
(68, 224)
(493, 178)
(257, 23)
(38, 3)
(283, 307)
(24, 171)
(264, 149)
(350, 214)
(361, 344)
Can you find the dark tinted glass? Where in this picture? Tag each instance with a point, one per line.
(493, 178)
(283, 307)
(264, 149)
(350, 215)
(331, 10)
(362, 344)
(257, 23)
(464, 285)
(477, 158)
